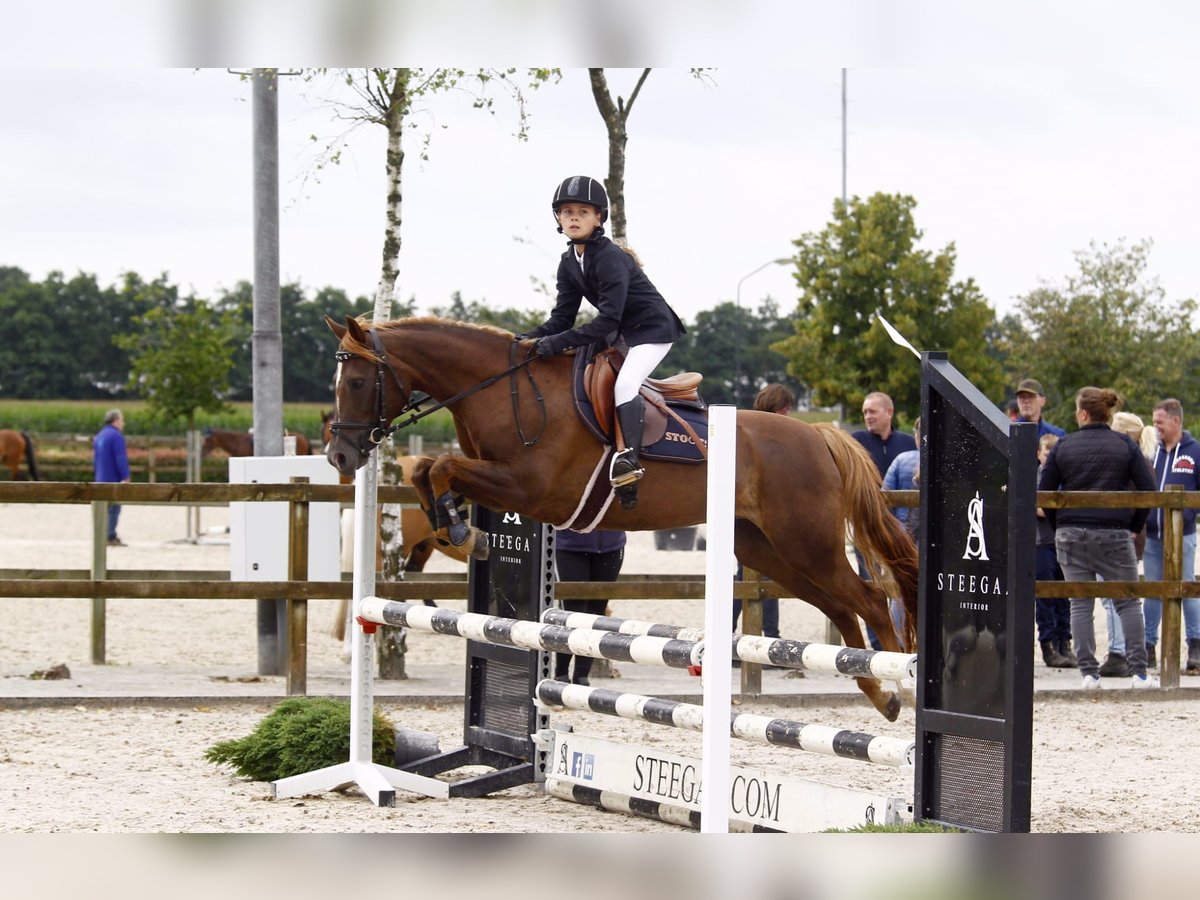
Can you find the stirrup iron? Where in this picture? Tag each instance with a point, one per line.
(624, 471)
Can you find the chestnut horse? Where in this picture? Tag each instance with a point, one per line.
(797, 485)
(241, 443)
(15, 446)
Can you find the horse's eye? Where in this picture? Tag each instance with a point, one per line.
(357, 383)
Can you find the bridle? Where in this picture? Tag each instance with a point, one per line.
(373, 433)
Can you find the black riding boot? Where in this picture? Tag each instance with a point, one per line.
(625, 471)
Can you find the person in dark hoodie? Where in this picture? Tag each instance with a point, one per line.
(628, 308)
(1175, 462)
(595, 556)
(1093, 543)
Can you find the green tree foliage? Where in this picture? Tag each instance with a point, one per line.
(58, 336)
(708, 348)
(477, 311)
(301, 734)
(1110, 325)
(308, 346)
(867, 261)
(181, 360)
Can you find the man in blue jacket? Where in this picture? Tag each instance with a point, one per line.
(1175, 460)
(111, 463)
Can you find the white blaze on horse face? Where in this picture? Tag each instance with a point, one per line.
(337, 377)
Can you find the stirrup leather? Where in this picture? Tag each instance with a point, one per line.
(624, 470)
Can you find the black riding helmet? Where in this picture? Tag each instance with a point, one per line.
(581, 189)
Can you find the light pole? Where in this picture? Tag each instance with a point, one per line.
(737, 326)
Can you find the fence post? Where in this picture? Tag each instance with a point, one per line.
(151, 473)
(99, 573)
(1172, 607)
(752, 623)
(297, 607)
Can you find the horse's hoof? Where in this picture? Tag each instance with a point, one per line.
(892, 711)
(477, 544)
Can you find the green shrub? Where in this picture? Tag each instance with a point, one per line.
(301, 734)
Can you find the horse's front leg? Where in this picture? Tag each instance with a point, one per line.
(491, 483)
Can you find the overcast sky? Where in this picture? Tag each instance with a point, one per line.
(150, 170)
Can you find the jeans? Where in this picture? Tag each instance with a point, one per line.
(1052, 614)
(1104, 554)
(1116, 634)
(114, 513)
(1152, 559)
(770, 616)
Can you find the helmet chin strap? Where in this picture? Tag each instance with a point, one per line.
(598, 232)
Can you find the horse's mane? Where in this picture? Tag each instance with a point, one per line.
(360, 349)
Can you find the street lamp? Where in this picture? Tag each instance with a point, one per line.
(737, 326)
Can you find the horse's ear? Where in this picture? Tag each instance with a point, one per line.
(339, 331)
(354, 327)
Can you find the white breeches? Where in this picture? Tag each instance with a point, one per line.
(640, 361)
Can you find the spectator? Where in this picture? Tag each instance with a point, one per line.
(884, 444)
(1052, 614)
(879, 438)
(904, 474)
(1175, 462)
(1012, 410)
(1115, 664)
(596, 556)
(111, 463)
(1098, 543)
(1030, 400)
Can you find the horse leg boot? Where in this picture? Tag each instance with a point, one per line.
(625, 471)
(471, 539)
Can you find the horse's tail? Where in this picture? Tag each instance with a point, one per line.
(878, 535)
(30, 457)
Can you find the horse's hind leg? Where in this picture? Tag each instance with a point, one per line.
(846, 597)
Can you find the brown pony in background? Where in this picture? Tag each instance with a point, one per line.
(798, 486)
(15, 446)
(241, 443)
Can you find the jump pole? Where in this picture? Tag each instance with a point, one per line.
(720, 566)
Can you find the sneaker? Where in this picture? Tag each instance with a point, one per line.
(1143, 682)
(1115, 666)
(1091, 682)
(116, 542)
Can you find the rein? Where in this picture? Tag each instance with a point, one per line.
(375, 432)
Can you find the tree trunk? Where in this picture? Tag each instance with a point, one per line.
(615, 116)
(391, 643)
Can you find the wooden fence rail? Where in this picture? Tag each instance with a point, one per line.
(100, 584)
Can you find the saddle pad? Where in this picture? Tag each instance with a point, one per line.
(675, 445)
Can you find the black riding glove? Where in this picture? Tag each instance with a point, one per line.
(550, 346)
(524, 336)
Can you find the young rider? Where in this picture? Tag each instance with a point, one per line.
(627, 305)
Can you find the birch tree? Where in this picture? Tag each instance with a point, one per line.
(391, 98)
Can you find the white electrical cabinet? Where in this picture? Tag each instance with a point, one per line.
(258, 532)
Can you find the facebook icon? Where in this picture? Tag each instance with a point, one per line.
(583, 765)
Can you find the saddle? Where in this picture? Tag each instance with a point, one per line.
(600, 377)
